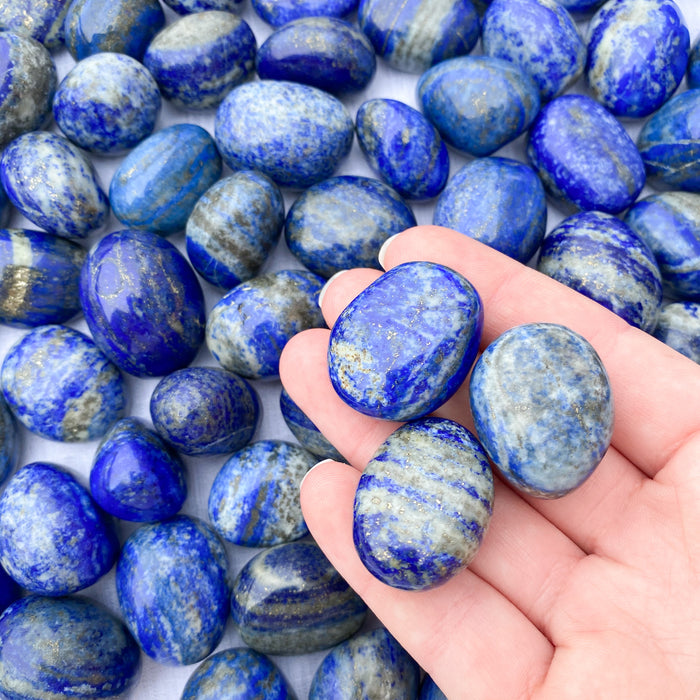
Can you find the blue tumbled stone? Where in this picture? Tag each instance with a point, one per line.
(542, 406)
(279, 12)
(678, 326)
(405, 344)
(42, 20)
(9, 441)
(430, 691)
(693, 70)
(9, 590)
(342, 222)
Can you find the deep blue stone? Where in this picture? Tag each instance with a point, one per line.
(9, 441)
(430, 691)
(9, 590)
(279, 12)
(581, 8)
(342, 222)
(693, 71)
(678, 326)
(42, 20)
(185, 7)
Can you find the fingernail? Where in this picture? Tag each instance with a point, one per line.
(384, 248)
(323, 461)
(322, 293)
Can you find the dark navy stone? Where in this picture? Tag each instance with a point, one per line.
(248, 328)
(143, 303)
(54, 540)
(185, 7)
(581, 8)
(288, 599)
(39, 278)
(693, 71)
(9, 590)
(398, 350)
(403, 148)
(342, 222)
(279, 12)
(9, 441)
(205, 410)
(678, 326)
(233, 228)
(295, 134)
(42, 20)
(498, 201)
(61, 386)
(430, 691)
(584, 156)
(135, 477)
(5, 206)
(542, 408)
(478, 103)
(172, 585)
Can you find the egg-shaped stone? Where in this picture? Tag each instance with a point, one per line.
(40, 20)
(185, 7)
(9, 441)
(678, 326)
(279, 12)
(693, 70)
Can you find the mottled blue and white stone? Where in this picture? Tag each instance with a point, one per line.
(678, 326)
(430, 691)
(68, 647)
(233, 228)
(205, 410)
(61, 386)
(135, 477)
(279, 12)
(173, 590)
(54, 540)
(478, 103)
(288, 599)
(53, 183)
(604, 259)
(185, 7)
(693, 71)
(342, 222)
(248, 328)
(9, 441)
(9, 590)
(498, 201)
(405, 344)
(543, 409)
(42, 20)
(584, 156)
(107, 103)
(295, 134)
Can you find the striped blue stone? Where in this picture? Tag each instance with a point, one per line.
(9, 441)
(430, 691)
(678, 326)
(693, 70)
(185, 7)
(279, 12)
(42, 20)
(542, 407)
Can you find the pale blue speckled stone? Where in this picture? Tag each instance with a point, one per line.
(279, 12)
(678, 326)
(42, 20)
(9, 441)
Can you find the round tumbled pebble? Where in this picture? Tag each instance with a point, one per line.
(679, 327)
(693, 70)
(185, 7)
(280, 12)
(9, 441)
(42, 20)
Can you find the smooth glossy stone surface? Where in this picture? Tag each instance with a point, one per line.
(173, 590)
(107, 103)
(9, 590)
(430, 691)
(54, 540)
(9, 441)
(205, 410)
(135, 477)
(61, 386)
(142, 302)
(693, 71)
(342, 222)
(184, 7)
(52, 183)
(678, 326)
(69, 647)
(233, 227)
(39, 278)
(279, 12)
(478, 103)
(399, 350)
(584, 156)
(542, 407)
(248, 328)
(637, 55)
(289, 599)
(295, 134)
(42, 20)
(498, 201)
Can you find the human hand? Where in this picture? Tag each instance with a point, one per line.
(594, 595)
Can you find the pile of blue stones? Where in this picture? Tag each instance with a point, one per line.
(560, 84)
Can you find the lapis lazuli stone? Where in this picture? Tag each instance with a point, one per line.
(478, 103)
(342, 222)
(430, 691)
(135, 477)
(678, 326)
(542, 406)
(9, 441)
(173, 590)
(288, 599)
(500, 202)
(185, 7)
(405, 344)
(54, 540)
(42, 20)
(233, 227)
(205, 410)
(61, 386)
(279, 12)
(293, 133)
(9, 590)
(693, 70)
(142, 302)
(584, 156)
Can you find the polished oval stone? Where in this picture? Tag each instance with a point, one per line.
(134, 476)
(42, 20)
(205, 410)
(693, 70)
(542, 406)
(478, 103)
(173, 589)
(54, 540)
(233, 228)
(39, 278)
(678, 326)
(498, 201)
(142, 302)
(279, 12)
(405, 344)
(584, 156)
(430, 691)
(342, 222)
(295, 134)
(65, 647)
(184, 7)
(159, 182)
(9, 590)
(248, 328)
(61, 386)
(288, 599)
(9, 441)
(52, 183)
